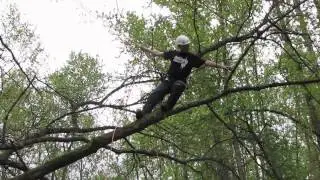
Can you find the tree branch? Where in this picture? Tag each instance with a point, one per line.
(251, 33)
(238, 62)
(105, 139)
(239, 90)
(13, 164)
(29, 142)
(153, 153)
(276, 112)
(274, 169)
(15, 60)
(195, 11)
(167, 141)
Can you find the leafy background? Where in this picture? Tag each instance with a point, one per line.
(259, 121)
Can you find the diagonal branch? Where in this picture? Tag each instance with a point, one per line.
(287, 39)
(167, 141)
(68, 130)
(123, 85)
(250, 8)
(55, 91)
(13, 164)
(15, 60)
(104, 140)
(239, 90)
(266, 153)
(29, 142)
(246, 51)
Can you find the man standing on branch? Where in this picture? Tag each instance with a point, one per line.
(182, 62)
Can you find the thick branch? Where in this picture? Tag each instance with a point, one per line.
(29, 142)
(13, 164)
(238, 90)
(86, 150)
(137, 126)
(48, 131)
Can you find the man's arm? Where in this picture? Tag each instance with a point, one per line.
(154, 52)
(215, 65)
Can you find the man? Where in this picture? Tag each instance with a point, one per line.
(182, 62)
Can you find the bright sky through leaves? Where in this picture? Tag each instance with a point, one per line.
(65, 26)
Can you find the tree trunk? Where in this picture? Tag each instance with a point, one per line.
(313, 152)
(256, 167)
(313, 158)
(312, 106)
(223, 173)
(239, 160)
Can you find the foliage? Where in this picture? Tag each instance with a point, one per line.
(259, 121)
(80, 79)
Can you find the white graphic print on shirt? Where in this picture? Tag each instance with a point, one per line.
(182, 61)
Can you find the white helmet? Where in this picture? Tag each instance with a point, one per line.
(182, 40)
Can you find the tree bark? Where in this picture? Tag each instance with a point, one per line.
(137, 126)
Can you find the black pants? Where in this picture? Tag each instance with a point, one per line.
(172, 86)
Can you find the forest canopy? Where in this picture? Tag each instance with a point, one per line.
(261, 120)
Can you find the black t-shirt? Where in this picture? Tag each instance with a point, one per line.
(181, 63)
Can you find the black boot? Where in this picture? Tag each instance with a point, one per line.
(139, 114)
(164, 107)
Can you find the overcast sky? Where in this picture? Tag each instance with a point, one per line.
(71, 25)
